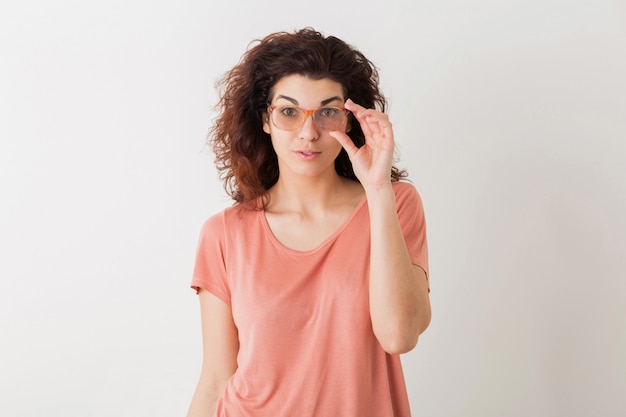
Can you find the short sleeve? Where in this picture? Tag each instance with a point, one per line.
(413, 224)
(209, 270)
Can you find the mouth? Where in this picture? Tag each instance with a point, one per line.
(307, 154)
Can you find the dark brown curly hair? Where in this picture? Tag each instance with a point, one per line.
(245, 158)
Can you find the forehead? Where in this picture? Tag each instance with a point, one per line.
(307, 90)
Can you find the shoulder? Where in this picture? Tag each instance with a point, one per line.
(406, 193)
(228, 219)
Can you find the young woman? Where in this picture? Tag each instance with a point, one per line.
(315, 281)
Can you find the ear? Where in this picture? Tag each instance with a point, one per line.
(266, 124)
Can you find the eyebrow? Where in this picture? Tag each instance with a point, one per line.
(323, 102)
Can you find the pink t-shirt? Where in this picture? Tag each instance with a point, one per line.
(306, 342)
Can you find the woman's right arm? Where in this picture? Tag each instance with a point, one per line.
(220, 345)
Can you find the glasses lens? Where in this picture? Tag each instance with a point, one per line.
(288, 118)
(329, 118)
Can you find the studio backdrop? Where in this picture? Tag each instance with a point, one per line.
(510, 117)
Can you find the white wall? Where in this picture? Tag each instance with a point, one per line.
(510, 116)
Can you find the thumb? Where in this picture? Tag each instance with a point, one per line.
(345, 141)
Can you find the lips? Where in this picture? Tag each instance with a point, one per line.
(307, 154)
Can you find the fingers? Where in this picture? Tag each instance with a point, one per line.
(372, 121)
(361, 112)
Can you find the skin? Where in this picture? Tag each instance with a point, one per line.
(306, 205)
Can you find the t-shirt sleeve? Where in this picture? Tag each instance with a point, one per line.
(209, 270)
(413, 223)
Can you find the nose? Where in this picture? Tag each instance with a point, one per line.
(309, 130)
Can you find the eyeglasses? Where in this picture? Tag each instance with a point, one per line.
(292, 117)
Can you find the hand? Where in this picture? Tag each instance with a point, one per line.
(371, 162)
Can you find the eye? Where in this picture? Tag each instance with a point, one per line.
(288, 111)
(328, 112)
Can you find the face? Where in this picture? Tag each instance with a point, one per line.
(308, 150)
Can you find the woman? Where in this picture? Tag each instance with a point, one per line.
(314, 282)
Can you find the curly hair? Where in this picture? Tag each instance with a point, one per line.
(244, 155)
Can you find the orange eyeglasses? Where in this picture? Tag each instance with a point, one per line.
(293, 117)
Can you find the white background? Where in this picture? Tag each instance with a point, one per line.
(510, 117)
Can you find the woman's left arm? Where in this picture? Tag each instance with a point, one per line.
(399, 301)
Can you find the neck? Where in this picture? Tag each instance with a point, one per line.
(306, 194)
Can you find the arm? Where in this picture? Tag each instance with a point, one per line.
(399, 302)
(219, 354)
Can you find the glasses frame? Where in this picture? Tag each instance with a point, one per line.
(307, 113)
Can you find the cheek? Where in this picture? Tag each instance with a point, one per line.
(338, 148)
(279, 144)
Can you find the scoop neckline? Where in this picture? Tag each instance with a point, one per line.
(332, 237)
